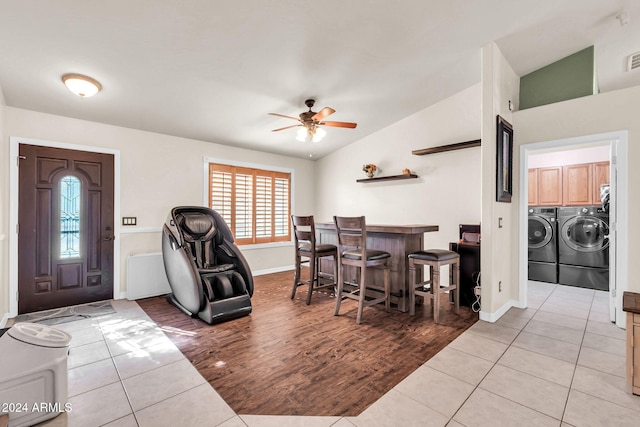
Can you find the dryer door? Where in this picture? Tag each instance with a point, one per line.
(586, 234)
(540, 232)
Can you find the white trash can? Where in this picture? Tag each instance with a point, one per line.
(33, 373)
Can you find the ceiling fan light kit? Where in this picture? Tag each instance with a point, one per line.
(310, 121)
(313, 134)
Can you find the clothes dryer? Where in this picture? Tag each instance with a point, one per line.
(583, 247)
(542, 244)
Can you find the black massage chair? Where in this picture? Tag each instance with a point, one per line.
(208, 275)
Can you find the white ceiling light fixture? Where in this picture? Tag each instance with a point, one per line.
(310, 132)
(318, 134)
(83, 86)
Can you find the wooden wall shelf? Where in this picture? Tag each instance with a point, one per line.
(388, 178)
(450, 147)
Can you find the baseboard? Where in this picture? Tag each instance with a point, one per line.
(4, 320)
(272, 270)
(493, 317)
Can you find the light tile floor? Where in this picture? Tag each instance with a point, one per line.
(557, 363)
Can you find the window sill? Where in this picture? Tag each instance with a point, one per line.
(265, 245)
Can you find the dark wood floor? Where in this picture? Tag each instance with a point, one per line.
(288, 358)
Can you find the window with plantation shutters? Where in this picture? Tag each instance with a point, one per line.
(254, 202)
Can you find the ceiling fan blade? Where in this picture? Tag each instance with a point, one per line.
(286, 127)
(282, 115)
(326, 111)
(339, 124)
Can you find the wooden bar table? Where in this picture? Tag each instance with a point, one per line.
(631, 304)
(398, 240)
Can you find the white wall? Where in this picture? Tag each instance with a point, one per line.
(4, 217)
(569, 157)
(591, 115)
(499, 86)
(447, 192)
(158, 172)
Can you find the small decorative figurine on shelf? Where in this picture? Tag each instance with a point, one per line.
(370, 169)
(406, 171)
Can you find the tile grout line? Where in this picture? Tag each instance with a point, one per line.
(597, 370)
(133, 412)
(507, 349)
(126, 393)
(575, 367)
(491, 369)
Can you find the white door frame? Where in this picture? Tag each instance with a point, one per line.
(14, 143)
(618, 258)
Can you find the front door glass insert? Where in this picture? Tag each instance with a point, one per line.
(69, 217)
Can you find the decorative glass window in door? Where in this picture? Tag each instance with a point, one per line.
(69, 217)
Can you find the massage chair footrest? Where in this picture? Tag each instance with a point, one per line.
(226, 309)
(220, 286)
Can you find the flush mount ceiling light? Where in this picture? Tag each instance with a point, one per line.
(82, 86)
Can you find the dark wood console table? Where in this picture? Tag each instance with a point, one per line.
(398, 240)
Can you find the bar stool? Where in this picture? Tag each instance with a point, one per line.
(434, 258)
(352, 241)
(304, 231)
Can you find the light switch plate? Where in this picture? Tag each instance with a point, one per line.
(129, 220)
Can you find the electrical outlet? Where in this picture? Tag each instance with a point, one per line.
(500, 286)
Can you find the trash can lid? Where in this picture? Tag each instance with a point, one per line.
(41, 335)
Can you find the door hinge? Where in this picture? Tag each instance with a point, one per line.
(613, 293)
(21, 158)
(17, 295)
(614, 160)
(17, 228)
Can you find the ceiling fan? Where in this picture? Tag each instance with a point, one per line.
(310, 120)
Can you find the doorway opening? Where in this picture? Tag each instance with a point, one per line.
(615, 143)
(14, 196)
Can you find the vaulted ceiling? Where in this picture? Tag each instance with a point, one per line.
(212, 70)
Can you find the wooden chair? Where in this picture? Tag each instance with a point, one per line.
(352, 241)
(304, 231)
(434, 259)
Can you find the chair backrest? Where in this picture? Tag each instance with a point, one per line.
(200, 233)
(352, 231)
(304, 230)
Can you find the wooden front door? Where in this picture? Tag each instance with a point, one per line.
(65, 234)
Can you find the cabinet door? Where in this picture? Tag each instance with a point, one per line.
(577, 183)
(533, 187)
(600, 176)
(550, 186)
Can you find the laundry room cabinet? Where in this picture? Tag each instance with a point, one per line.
(547, 183)
(600, 176)
(533, 187)
(577, 185)
(569, 185)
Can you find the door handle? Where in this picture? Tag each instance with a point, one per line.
(108, 239)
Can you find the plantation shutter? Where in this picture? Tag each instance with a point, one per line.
(254, 202)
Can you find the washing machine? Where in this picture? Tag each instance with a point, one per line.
(542, 244)
(33, 373)
(583, 247)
